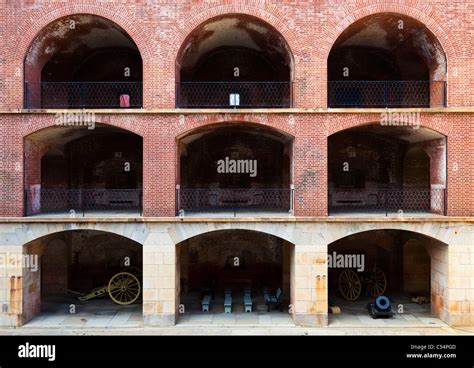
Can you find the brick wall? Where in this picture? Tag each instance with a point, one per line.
(309, 27)
(161, 132)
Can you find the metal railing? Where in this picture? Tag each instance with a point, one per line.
(80, 201)
(386, 94)
(218, 94)
(388, 201)
(91, 95)
(208, 200)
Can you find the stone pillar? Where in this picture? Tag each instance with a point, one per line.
(460, 285)
(31, 293)
(11, 287)
(439, 279)
(287, 256)
(159, 280)
(310, 289)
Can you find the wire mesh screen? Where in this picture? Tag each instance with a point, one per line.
(234, 94)
(386, 94)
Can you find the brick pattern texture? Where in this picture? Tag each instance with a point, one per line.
(310, 28)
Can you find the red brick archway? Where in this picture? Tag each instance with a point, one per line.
(124, 19)
(337, 26)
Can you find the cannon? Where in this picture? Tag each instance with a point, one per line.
(350, 283)
(123, 288)
(381, 308)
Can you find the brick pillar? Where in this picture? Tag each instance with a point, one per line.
(34, 151)
(159, 186)
(11, 161)
(159, 280)
(310, 285)
(310, 170)
(436, 150)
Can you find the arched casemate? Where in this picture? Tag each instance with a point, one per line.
(383, 169)
(83, 61)
(387, 60)
(243, 168)
(234, 60)
(83, 170)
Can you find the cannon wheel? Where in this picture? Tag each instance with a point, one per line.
(378, 282)
(350, 285)
(124, 288)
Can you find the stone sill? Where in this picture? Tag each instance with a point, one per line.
(435, 110)
(407, 219)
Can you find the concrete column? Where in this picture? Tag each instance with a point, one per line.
(460, 285)
(11, 287)
(159, 280)
(310, 285)
(31, 288)
(439, 279)
(287, 256)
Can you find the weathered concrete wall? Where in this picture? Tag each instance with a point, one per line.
(451, 271)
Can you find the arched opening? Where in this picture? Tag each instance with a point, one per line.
(382, 169)
(78, 279)
(83, 61)
(70, 170)
(241, 168)
(232, 61)
(407, 267)
(387, 60)
(232, 274)
(416, 169)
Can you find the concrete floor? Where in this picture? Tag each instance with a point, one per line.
(103, 317)
(103, 313)
(254, 319)
(354, 314)
(181, 330)
(217, 317)
(55, 313)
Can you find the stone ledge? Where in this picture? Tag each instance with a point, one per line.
(290, 111)
(327, 219)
